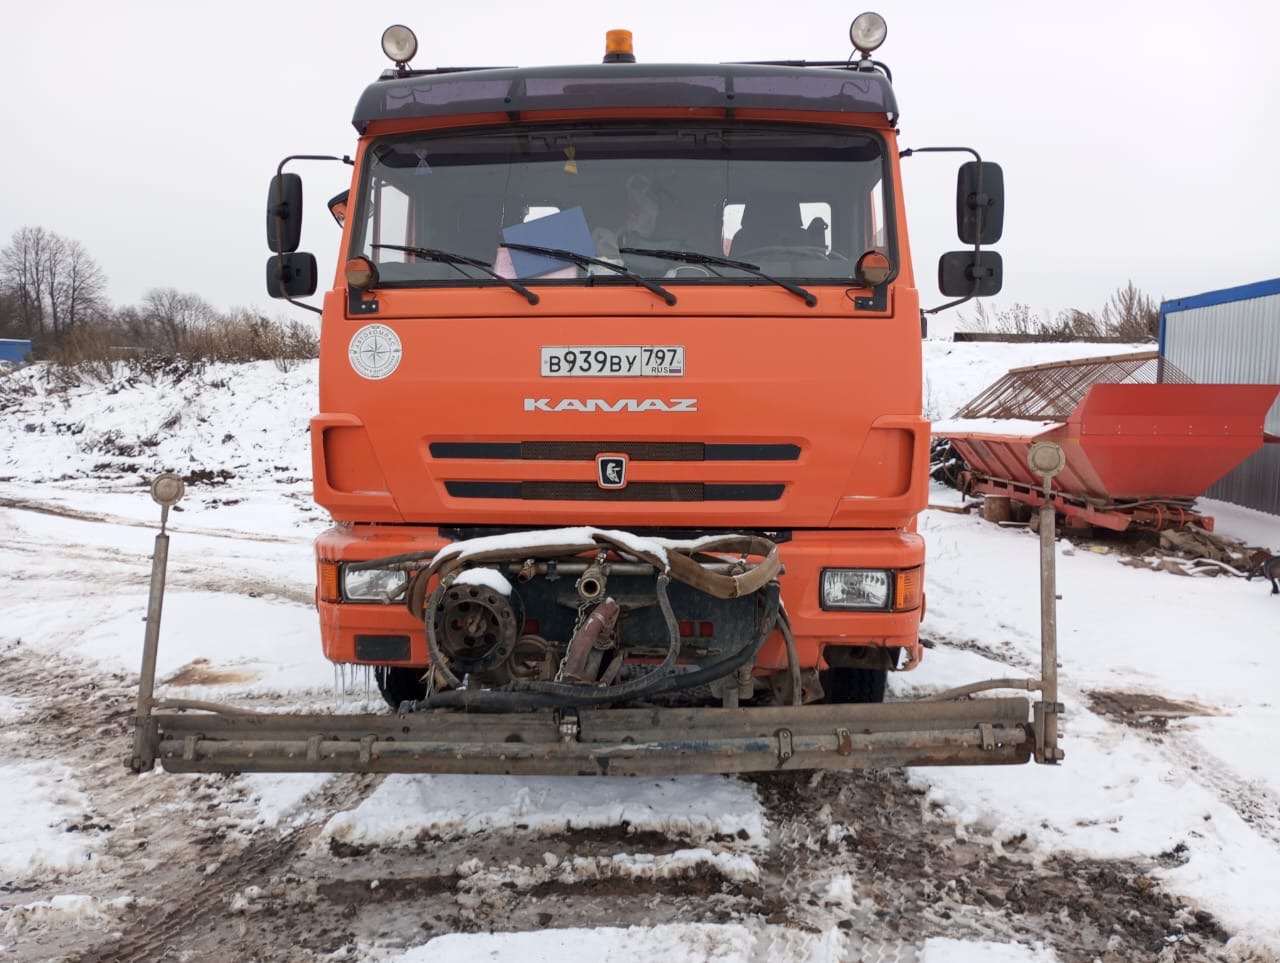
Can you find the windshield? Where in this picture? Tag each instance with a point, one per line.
(794, 202)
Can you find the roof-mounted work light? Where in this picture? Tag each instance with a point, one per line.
(399, 44)
(867, 32)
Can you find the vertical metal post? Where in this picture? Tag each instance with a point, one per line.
(167, 490)
(1047, 459)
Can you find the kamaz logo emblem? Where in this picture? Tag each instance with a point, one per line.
(611, 471)
(600, 404)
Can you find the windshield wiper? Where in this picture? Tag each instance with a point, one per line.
(453, 260)
(694, 257)
(582, 260)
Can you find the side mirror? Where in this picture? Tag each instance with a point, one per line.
(987, 202)
(338, 207)
(963, 274)
(284, 213)
(291, 275)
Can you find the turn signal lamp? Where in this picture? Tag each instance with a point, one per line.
(617, 47)
(873, 268)
(399, 43)
(907, 589)
(867, 32)
(328, 578)
(362, 274)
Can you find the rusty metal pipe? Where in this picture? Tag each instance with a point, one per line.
(960, 691)
(598, 625)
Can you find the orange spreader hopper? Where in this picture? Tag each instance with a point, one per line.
(1135, 453)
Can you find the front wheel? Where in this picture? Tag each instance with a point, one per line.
(399, 684)
(846, 686)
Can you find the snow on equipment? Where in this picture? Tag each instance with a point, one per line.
(620, 429)
(1142, 441)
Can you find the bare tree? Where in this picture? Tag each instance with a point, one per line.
(10, 324)
(172, 315)
(52, 284)
(22, 269)
(74, 288)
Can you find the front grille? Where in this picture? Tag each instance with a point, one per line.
(458, 533)
(635, 450)
(635, 492)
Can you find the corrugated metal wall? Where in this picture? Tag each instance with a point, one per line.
(1233, 337)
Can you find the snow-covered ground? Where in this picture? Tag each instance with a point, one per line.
(1185, 787)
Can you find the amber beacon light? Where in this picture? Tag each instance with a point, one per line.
(617, 47)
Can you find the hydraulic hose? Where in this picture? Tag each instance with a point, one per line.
(492, 700)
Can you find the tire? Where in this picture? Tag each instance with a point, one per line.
(856, 685)
(399, 684)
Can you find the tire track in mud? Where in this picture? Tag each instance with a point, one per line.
(862, 853)
(114, 567)
(62, 511)
(180, 848)
(206, 915)
(911, 877)
(1158, 719)
(1256, 804)
(1253, 802)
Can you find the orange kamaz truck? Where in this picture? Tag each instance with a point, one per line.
(620, 426)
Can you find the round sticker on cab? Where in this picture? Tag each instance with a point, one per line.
(374, 351)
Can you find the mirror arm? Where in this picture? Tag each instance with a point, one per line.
(314, 310)
(346, 159)
(952, 304)
(981, 196)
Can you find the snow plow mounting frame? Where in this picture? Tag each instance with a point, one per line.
(625, 742)
(946, 728)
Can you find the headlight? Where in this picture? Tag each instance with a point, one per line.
(372, 584)
(856, 588)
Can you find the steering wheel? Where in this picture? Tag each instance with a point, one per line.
(690, 271)
(788, 250)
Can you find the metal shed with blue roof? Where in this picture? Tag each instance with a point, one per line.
(14, 351)
(1232, 336)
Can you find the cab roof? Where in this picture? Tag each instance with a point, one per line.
(793, 86)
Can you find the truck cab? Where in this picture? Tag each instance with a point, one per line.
(590, 317)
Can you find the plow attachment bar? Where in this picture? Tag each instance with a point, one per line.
(623, 742)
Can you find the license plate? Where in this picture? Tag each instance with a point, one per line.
(612, 361)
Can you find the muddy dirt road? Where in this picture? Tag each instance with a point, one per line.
(859, 865)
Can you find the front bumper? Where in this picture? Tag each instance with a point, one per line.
(804, 555)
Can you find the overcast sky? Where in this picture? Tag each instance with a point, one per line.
(1139, 140)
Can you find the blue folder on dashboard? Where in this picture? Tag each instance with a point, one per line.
(566, 230)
